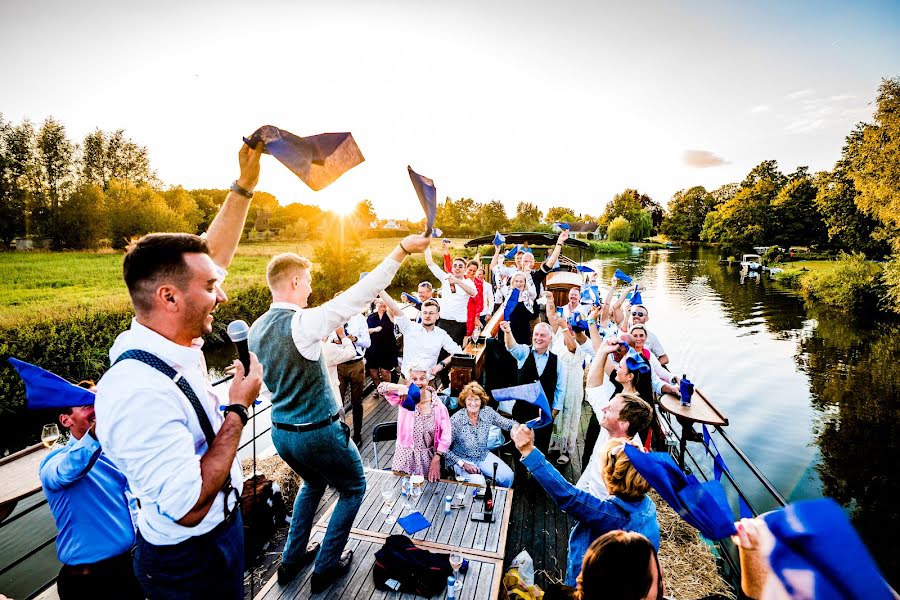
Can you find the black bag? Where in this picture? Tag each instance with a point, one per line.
(416, 570)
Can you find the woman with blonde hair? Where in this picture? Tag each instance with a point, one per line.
(469, 455)
(628, 507)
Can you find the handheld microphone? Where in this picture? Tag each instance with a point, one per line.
(238, 332)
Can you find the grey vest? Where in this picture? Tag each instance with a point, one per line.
(301, 390)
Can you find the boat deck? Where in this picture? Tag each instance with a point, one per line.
(536, 524)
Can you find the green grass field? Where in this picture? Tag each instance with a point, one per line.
(54, 284)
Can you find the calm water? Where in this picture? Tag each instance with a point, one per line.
(811, 397)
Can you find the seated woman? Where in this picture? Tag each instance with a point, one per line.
(468, 454)
(628, 507)
(618, 564)
(423, 426)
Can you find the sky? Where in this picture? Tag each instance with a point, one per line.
(558, 104)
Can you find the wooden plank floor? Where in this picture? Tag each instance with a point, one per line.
(536, 524)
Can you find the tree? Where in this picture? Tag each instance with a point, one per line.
(619, 230)
(127, 161)
(364, 214)
(630, 204)
(528, 217)
(94, 169)
(491, 217)
(12, 198)
(183, 204)
(796, 214)
(57, 173)
(23, 178)
(560, 214)
(134, 211)
(82, 219)
(687, 213)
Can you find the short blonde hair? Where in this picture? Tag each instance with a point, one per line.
(283, 266)
(472, 389)
(622, 479)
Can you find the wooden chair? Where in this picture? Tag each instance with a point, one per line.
(383, 432)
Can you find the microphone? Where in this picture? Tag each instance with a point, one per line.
(238, 332)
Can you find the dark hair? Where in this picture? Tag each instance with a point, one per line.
(616, 565)
(432, 302)
(154, 258)
(473, 262)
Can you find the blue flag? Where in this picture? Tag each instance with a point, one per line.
(636, 296)
(318, 160)
(510, 305)
(499, 238)
(563, 226)
(412, 300)
(818, 554)
(584, 269)
(577, 323)
(719, 465)
(590, 294)
(427, 194)
(634, 361)
(511, 253)
(703, 506)
(44, 389)
(622, 276)
(413, 395)
(532, 393)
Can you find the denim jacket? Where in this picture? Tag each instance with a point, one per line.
(595, 517)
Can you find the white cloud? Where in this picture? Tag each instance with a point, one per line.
(761, 108)
(799, 94)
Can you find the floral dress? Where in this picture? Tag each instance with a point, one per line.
(567, 422)
(417, 460)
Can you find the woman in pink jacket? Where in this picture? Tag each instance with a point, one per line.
(423, 426)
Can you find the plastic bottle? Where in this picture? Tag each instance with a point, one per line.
(448, 500)
(451, 588)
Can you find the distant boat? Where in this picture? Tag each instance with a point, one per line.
(751, 262)
(671, 246)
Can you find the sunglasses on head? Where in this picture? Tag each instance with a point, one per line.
(638, 313)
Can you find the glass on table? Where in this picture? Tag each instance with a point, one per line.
(456, 561)
(406, 492)
(418, 485)
(389, 495)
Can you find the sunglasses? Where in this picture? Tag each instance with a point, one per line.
(638, 313)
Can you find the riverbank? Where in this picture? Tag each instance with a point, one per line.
(851, 283)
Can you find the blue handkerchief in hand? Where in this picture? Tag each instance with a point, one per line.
(413, 395)
(318, 160)
(622, 276)
(413, 522)
(427, 194)
(44, 389)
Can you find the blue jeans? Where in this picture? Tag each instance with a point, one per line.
(207, 566)
(321, 457)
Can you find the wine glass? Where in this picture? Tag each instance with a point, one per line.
(406, 492)
(389, 495)
(456, 560)
(49, 434)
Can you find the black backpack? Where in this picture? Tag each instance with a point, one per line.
(415, 570)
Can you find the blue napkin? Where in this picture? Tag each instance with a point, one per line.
(622, 276)
(413, 522)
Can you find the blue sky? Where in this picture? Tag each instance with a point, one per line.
(561, 103)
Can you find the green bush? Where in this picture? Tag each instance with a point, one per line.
(619, 230)
(789, 278)
(855, 285)
(610, 247)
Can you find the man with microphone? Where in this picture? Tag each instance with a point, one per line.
(158, 417)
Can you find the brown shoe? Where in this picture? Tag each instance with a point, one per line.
(320, 581)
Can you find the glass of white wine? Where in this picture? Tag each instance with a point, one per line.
(456, 561)
(389, 495)
(49, 434)
(406, 491)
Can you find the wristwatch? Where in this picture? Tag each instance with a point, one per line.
(239, 190)
(239, 410)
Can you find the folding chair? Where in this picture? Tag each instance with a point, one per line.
(383, 432)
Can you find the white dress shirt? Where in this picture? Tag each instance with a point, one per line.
(488, 299)
(336, 354)
(310, 325)
(453, 304)
(358, 328)
(149, 430)
(422, 347)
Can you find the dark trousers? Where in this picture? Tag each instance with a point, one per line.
(590, 439)
(206, 566)
(110, 579)
(352, 374)
(455, 329)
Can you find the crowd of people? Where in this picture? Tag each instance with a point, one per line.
(146, 491)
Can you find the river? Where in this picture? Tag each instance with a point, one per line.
(811, 396)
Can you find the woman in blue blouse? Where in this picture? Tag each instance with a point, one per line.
(468, 454)
(628, 507)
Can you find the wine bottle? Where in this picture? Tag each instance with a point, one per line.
(489, 494)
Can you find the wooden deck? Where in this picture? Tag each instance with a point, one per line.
(536, 524)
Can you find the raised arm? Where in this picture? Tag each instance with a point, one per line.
(550, 311)
(225, 231)
(391, 304)
(439, 273)
(448, 261)
(508, 336)
(551, 260)
(599, 365)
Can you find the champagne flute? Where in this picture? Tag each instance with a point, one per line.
(49, 434)
(456, 560)
(389, 495)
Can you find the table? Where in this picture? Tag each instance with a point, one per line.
(700, 410)
(19, 474)
(455, 531)
(482, 580)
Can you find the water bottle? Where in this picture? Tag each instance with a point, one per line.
(451, 588)
(447, 502)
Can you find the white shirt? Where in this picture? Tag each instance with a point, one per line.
(149, 429)
(421, 346)
(488, 299)
(310, 325)
(358, 328)
(581, 310)
(336, 354)
(453, 304)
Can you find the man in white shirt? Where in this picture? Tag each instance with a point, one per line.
(455, 292)
(352, 371)
(158, 418)
(422, 342)
(306, 428)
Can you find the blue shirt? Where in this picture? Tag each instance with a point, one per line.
(86, 494)
(595, 517)
(520, 353)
